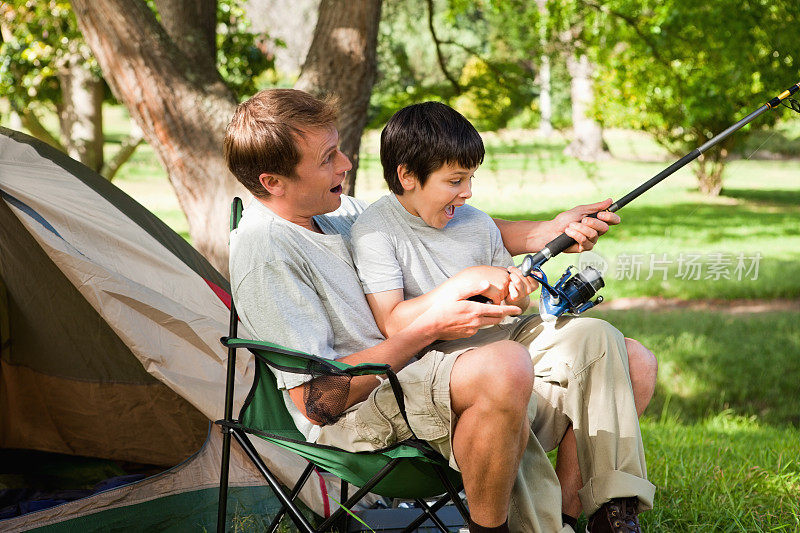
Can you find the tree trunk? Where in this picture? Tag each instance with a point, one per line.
(179, 101)
(709, 172)
(342, 61)
(80, 112)
(587, 141)
(545, 100)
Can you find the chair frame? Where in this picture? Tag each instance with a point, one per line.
(232, 427)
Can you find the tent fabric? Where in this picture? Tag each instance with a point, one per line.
(110, 325)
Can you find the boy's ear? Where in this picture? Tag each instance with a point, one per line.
(275, 185)
(407, 178)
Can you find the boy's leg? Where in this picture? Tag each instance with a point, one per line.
(584, 380)
(643, 369)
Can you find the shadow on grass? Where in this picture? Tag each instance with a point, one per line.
(703, 222)
(711, 361)
(765, 196)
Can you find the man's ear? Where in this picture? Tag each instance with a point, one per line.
(274, 184)
(407, 178)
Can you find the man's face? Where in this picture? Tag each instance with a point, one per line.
(317, 186)
(447, 188)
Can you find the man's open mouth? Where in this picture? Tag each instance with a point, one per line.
(449, 211)
(337, 189)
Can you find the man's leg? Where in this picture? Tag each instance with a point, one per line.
(489, 387)
(643, 368)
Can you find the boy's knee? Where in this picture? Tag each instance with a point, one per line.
(643, 363)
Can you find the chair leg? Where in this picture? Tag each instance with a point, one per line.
(345, 522)
(222, 504)
(426, 514)
(297, 517)
(359, 494)
(295, 491)
(431, 513)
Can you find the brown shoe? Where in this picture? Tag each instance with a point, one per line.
(616, 516)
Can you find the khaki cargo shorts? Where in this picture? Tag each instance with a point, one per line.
(552, 367)
(377, 423)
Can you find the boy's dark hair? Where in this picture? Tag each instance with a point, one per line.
(424, 137)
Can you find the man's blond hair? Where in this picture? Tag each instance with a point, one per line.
(262, 136)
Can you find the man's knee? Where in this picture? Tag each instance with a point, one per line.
(498, 375)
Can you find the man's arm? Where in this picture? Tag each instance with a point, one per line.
(392, 313)
(448, 318)
(528, 236)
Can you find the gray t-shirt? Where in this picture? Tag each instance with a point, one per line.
(393, 249)
(299, 288)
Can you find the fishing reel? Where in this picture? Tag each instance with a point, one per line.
(570, 294)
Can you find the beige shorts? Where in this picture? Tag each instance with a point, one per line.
(377, 423)
(551, 366)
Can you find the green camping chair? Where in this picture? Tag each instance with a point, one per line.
(410, 469)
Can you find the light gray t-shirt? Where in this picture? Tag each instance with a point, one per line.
(393, 249)
(299, 289)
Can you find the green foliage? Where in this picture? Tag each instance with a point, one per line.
(240, 53)
(41, 34)
(685, 71)
(488, 51)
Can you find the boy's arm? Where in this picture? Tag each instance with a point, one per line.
(392, 313)
(527, 236)
(446, 319)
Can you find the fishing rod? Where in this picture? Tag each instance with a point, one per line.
(573, 293)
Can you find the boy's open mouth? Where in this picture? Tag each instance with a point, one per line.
(449, 211)
(337, 189)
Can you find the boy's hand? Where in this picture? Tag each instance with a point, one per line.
(468, 279)
(585, 230)
(520, 288)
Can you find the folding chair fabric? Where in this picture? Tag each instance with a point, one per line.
(264, 414)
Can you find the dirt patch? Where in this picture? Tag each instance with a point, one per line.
(740, 306)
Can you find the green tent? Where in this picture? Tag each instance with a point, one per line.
(110, 325)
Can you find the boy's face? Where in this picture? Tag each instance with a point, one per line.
(447, 188)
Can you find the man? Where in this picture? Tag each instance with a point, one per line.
(295, 284)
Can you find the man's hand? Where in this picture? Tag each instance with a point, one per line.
(585, 230)
(455, 317)
(520, 288)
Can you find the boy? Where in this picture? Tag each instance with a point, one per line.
(418, 243)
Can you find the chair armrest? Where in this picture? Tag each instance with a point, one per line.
(290, 360)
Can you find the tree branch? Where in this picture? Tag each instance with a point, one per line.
(35, 127)
(126, 150)
(198, 39)
(439, 56)
(633, 24)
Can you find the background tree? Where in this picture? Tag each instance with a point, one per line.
(685, 71)
(46, 66)
(46, 63)
(164, 69)
(341, 61)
